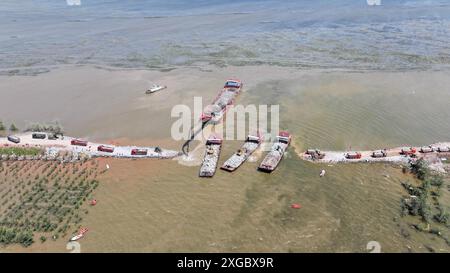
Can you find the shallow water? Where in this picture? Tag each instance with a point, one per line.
(162, 205)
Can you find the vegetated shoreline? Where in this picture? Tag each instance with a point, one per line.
(44, 200)
(434, 159)
(424, 202)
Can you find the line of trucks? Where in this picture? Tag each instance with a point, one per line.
(406, 151)
(83, 143)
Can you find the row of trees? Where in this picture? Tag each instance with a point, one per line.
(14, 236)
(12, 127)
(420, 196)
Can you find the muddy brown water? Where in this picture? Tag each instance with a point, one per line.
(162, 206)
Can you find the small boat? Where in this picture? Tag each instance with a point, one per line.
(93, 202)
(322, 173)
(212, 153)
(273, 158)
(237, 159)
(155, 88)
(79, 235)
(296, 206)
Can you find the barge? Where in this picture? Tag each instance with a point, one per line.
(238, 158)
(214, 112)
(211, 157)
(273, 158)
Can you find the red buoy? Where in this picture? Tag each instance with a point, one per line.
(295, 206)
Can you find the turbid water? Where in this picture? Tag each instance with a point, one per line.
(152, 34)
(370, 78)
(162, 205)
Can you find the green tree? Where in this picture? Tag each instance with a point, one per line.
(443, 216)
(2, 127)
(13, 127)
(436, 180)
(420, 169)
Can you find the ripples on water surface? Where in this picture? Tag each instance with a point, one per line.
(157, 34)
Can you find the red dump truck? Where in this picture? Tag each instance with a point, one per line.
(106, 149)
(139, 152)
(408, 151)
(78, 142)
(353, 155)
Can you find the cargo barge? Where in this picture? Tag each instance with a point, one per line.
(273, 158)
(250, 145)
(214, 112)
(211, 157)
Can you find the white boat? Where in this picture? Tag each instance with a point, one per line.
(79, 235)
(155, 88)
(76, 237)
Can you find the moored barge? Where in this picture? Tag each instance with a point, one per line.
(211, 157)
(214, 112)
(273, 158)
(250, 145)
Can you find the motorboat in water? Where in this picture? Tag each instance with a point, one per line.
(155, 88)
